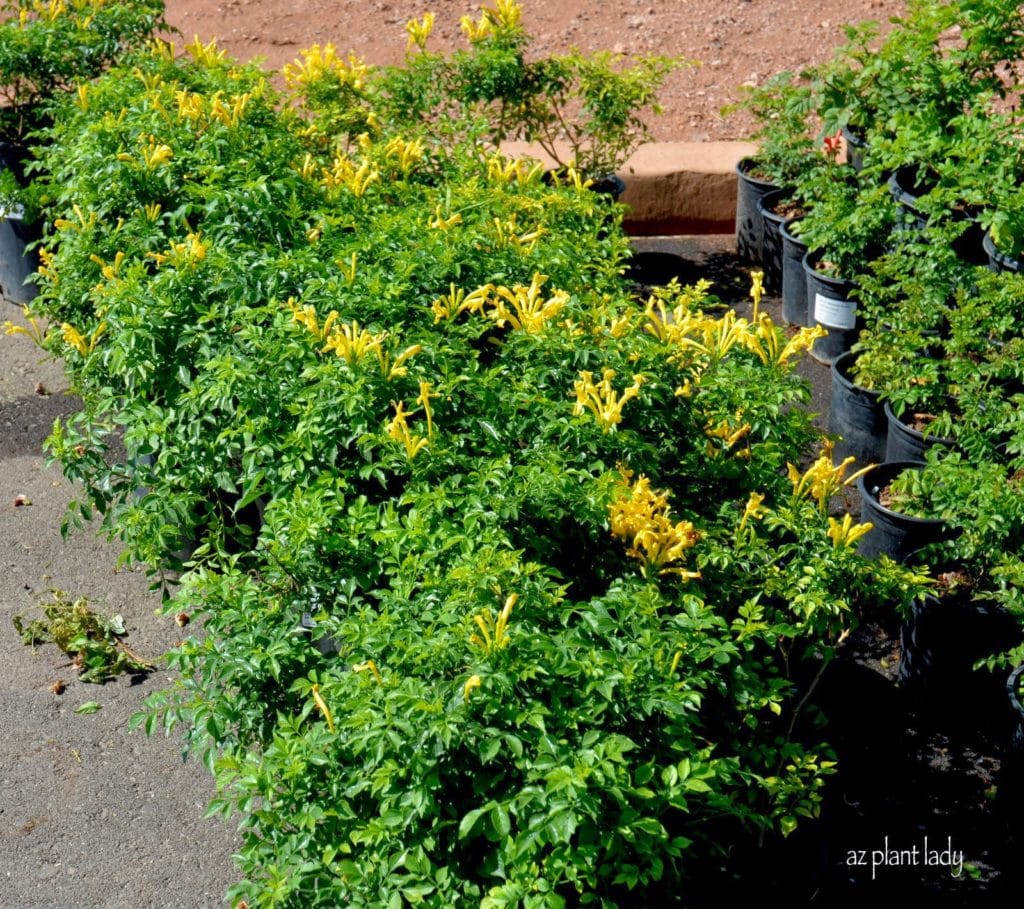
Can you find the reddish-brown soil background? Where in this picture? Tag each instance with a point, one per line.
(732, 41)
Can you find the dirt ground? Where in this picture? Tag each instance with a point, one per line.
(731, 43)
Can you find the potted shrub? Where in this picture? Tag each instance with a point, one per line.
(968, 620)
(896, 505)
(782, 108)
(45, 52)
(843, 231)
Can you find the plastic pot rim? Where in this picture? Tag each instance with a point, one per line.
(927, 439)
(900, 466)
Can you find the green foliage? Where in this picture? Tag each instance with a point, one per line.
(584, 110)
(783, 108)
(509, 589)
(92, 641)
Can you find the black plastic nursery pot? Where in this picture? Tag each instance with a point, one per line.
(906, 188)
(998, 261)
(856, 415)
(611, 185)
(941, 640)
(830, 304)
(892, 533)
(749, 226)
(904, 443)
(17, 261)
(856, 146)
(771, 241)
(1015, 692)
(794, 278)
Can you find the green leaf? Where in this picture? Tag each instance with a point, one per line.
(88, 707)
(469, 821)
(500, 821)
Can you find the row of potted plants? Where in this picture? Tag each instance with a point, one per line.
(511, 589)
(921, 224)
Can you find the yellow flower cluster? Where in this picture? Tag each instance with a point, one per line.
(823, 479)
(48, 10)
(398, 428)
(641, 519)
(440, 222)
(46, 267)
(753, 509)
(85, 223)
(602, 399)
(35, 331)
(524, 308)
(319, 62)
(723, 436)
(198, 109)
(493, 633)
(187, 254)
(419, 30)
(74, 338)
(505, 170)
(344, 172)
(509, 233)
(571, 177)
(203, 54)
(153, 154)
(712, 338)
(405, 154)
(506, 14)
(845, 532)
(351, 342)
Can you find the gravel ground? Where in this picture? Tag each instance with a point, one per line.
(90, 816)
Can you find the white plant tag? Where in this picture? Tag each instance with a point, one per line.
(834, 313)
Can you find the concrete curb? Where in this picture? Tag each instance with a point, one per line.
(672, 187)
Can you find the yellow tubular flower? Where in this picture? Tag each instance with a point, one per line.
(406, 154)
(439, 222)
(424, 399)
(600, 398)
(472, 683)
(822, 479)
(362, 179)
(728, 437)
(458, 302)
(531, 310)
(350, 342)
(46, 267)
(398, 429)
(369, 666)
(419, 30)
(642, 521)
(756, 289)
(477, 31)
(399, 368)
(35, 331)
(205, 54)
(753, 508)
(321, 705)
(318, 62)
(74, 338)
(846, 533)
(493, 634)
